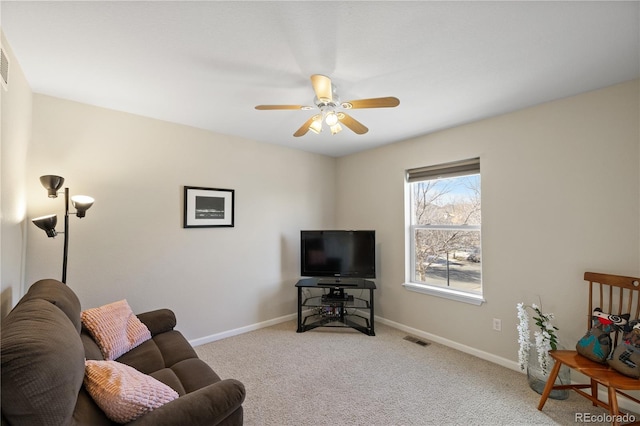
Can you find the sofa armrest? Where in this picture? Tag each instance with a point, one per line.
(206, 406)
(158, 321)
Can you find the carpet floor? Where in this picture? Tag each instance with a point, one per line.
(331, 376)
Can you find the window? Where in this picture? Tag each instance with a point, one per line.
(445, 252)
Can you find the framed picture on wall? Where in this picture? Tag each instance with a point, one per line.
(208, 207)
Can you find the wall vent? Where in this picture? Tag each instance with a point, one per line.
(4, 69)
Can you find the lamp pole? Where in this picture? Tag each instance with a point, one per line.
(66, 235)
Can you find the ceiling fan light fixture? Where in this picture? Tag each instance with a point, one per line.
(336, 128)
(331, 118)
(316, 124)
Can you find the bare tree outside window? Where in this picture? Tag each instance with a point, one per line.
(446, 219)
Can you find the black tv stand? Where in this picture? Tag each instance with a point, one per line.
(335, 308)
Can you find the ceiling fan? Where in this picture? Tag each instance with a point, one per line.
(330, 106)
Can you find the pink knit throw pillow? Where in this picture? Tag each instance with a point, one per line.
(122, 392)
(115, 328)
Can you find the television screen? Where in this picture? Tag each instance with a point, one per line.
(338, 254)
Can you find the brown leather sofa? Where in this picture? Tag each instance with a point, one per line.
(43, 349)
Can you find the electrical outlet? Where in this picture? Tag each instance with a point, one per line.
(497, 324)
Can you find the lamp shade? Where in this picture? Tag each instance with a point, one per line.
(336, 128)
(47, 224)
(82, 203)
(331, 118)
(52, 184)
(316, 124)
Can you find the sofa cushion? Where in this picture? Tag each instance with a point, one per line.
(146, 358)
(194, 374)
(169, 378)
(124, 393)
(115, 328)
(60, 295)
(42, 364)
(163, 350)
(87, 411)
(158, 321)
(91, 349)
(174, 347)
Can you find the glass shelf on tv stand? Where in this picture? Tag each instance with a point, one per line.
(321, 311)
(351, 302)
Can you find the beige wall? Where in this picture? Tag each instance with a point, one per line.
(132, 245)
(560, 186)
(15, 112)
(561, 191)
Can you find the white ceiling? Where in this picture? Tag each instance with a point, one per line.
(208, 63)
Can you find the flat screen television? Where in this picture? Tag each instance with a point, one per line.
(348, 254)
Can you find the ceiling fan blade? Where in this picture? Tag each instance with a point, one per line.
(322, 86)
(305, 127)
(268, 107)
(388, 102)
(352, 123)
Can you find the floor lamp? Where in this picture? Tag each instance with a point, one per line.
(48, 223)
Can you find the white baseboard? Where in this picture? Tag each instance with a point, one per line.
(450, 343)
(241, 330)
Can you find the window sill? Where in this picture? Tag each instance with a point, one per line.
(446, 293)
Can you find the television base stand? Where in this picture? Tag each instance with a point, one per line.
(336, 308)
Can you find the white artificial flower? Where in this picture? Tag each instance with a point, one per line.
(523, 337)
(543, 337)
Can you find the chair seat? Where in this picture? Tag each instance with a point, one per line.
(601, 373)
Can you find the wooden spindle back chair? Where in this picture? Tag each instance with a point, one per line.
(616, 295)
